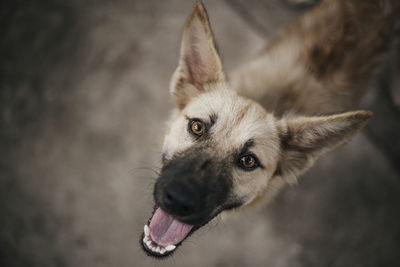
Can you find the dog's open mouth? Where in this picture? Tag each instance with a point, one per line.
(164, 233)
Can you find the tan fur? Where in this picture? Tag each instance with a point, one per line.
(306, 70)
(325, 61)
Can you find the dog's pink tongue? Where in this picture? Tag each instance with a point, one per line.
(165, 230)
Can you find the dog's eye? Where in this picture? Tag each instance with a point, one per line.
(197, 127)
(248, 162)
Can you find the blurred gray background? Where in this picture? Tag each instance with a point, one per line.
(83, 104)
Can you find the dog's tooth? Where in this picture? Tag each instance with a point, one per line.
(158, 250)
(162, 251)
(170, 247)
(148, 243)
(146, 230)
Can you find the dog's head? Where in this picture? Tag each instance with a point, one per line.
(222, 150)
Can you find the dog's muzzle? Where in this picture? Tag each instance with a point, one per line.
(189, 192)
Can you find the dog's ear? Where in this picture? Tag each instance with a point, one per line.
(199, 63)
(304, 139)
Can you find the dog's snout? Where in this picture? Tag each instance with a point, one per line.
(180, 200)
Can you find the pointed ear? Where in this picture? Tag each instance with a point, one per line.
(304, 139)
(199, 62)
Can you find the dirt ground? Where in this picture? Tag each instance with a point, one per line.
(83, 104)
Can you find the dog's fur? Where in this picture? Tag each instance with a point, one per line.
(278, 108)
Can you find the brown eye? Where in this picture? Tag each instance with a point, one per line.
(197, 127)
(248, 162)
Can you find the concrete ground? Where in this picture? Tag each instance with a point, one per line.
(83, 104)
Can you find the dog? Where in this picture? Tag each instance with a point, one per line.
(231, 144)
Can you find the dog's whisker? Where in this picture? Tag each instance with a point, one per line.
(154, 170)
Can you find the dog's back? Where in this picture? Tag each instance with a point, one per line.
(325, 61)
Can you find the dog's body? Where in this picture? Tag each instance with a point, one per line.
(325, 61)
(226, 149)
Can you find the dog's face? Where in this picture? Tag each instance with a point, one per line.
(222, 145)
(222, 150)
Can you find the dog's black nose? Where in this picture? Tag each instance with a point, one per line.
(179, 200)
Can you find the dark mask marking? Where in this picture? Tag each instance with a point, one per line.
(193, 185)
